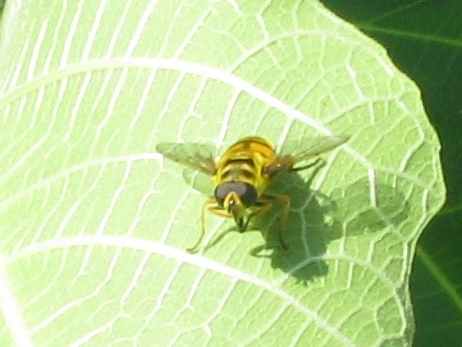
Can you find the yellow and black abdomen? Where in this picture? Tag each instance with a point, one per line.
(244, 162)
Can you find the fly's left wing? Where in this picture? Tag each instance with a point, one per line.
(304, 150)
(195, 156)
(199, 181)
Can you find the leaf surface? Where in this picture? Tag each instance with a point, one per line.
(94, 223)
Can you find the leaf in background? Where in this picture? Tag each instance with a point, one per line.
(94, 223)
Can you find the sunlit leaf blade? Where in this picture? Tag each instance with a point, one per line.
(95, 223)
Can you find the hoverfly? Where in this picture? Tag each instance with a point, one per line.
(243, 173)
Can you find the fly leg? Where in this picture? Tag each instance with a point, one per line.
(265, 205)
(214, 209)
(314, 163)
(285, 213)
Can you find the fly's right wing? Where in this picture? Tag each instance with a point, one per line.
(193, 155)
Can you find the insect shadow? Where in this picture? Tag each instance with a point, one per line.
(316, 220)
(355, 214)
(298, 246)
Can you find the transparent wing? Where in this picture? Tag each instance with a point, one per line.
(305, 149)
(199, 181)
(296, 152)
(194, 155)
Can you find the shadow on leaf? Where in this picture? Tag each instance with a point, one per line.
(316, 219)
(298, 248)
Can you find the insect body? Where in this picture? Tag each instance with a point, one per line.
(243, 173)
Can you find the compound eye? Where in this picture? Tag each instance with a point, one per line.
(247, 194)
(220, 193)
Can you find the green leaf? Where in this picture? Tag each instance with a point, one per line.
(94, 224)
